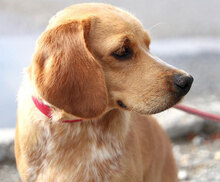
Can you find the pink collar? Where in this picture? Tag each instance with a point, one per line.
(46, 110)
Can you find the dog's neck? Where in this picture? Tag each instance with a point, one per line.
(113, 125)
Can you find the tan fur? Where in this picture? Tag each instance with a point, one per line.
(74, 72)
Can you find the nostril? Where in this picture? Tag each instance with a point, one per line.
(183, 83)
(179, 81)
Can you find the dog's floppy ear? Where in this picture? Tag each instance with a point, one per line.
(66, 74)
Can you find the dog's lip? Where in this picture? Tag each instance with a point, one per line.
(121, 104)
(175, 100)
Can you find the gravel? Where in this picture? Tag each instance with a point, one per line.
(198, 161)
(8, 173)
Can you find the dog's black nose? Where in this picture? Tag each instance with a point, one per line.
(182, 83)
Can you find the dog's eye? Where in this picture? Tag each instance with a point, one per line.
(123, 53)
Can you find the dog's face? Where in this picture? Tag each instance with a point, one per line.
(95, 57)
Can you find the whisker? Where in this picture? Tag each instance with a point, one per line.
(156, 25)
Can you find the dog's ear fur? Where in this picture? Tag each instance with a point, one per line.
(66, 74)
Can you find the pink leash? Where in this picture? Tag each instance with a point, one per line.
(199, 113)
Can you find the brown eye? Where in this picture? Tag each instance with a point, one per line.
(123, 53)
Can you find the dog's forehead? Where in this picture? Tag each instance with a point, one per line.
(117, 22)
(108, 17)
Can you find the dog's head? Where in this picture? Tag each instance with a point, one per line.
(95, 57)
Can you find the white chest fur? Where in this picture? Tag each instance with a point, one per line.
(66, 155)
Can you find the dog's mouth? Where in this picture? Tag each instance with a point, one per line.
(121, 104)
(152, 107)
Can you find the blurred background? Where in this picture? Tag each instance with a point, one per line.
(185, 34)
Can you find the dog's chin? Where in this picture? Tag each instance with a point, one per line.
(155, 108)
(158, 110)
(152, 111)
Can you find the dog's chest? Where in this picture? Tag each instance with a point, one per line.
(59, 160)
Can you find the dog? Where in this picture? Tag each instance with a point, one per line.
(85, 102)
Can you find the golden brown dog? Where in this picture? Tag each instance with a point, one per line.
(93, 63)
